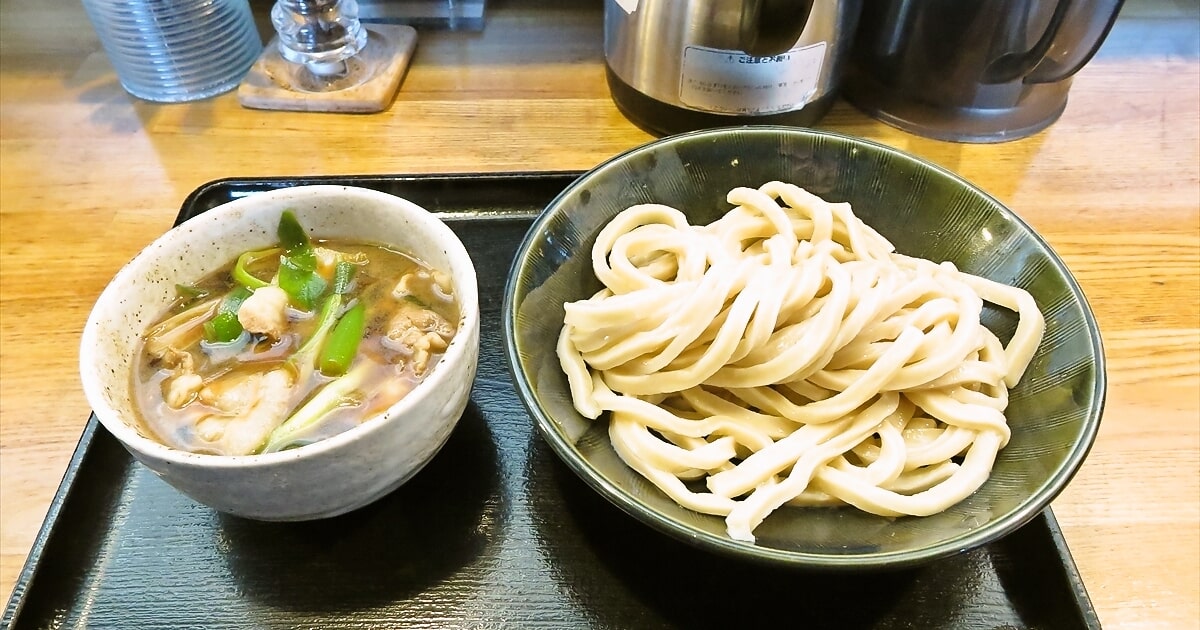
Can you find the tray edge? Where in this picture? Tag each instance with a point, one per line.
(50, 524)
(28, 574)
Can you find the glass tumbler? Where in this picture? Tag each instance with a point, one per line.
(172, 51)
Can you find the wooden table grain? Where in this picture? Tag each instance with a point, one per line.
(90, 175)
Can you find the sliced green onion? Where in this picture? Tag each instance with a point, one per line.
(242, 274)
(306, 357)
(343, 274)
(189, 293)
(224, 326)
(292, 236)
(340, 392)
(298, 275)
(338, 352)
(301, 282)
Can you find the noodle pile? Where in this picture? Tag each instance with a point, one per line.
(784, 354)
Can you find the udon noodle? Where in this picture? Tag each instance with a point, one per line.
(785, 354)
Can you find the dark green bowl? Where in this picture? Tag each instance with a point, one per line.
(925, 211)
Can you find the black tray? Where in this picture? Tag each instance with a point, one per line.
(495, 532)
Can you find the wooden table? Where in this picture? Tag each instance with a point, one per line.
(90, 175)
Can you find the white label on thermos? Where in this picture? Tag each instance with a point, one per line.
(629, 6)
(732, 82)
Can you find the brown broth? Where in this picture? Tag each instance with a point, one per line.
(390, 378)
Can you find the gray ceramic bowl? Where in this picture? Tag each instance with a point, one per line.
(334, 475)
(925, 211)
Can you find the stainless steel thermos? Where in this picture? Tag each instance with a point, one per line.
(677, 65)
(970, 71)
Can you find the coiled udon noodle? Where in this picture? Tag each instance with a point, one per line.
(784, 354)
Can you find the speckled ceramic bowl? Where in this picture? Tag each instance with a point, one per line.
(925, 211)
(331, 476)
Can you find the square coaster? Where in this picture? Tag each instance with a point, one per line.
(370, 84)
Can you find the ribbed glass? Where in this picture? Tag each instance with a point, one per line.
(176, 50)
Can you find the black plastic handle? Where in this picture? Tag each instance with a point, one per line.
(1078, 40)
(772, 27)
(1076, 29)
(1012, 66)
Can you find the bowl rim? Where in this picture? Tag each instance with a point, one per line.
(456, 352)
(722, 544)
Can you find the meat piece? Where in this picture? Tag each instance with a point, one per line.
(408, 284)
(265, 311)
(251, 406)
(442, 287)
(182, 389)
(390, 391)
(327, 259)
(418, 333)
(184, 384)
(424, 284)
(180, 360)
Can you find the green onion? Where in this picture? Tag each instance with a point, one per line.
(243, 276)
(292, 236)
(300, 282)
(224, 326)
(343, 274)
(298, 265)
(340, 392)
(342, 344)
(188, 293)
(309, 353)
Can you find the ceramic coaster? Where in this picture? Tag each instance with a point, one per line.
(370, 84)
